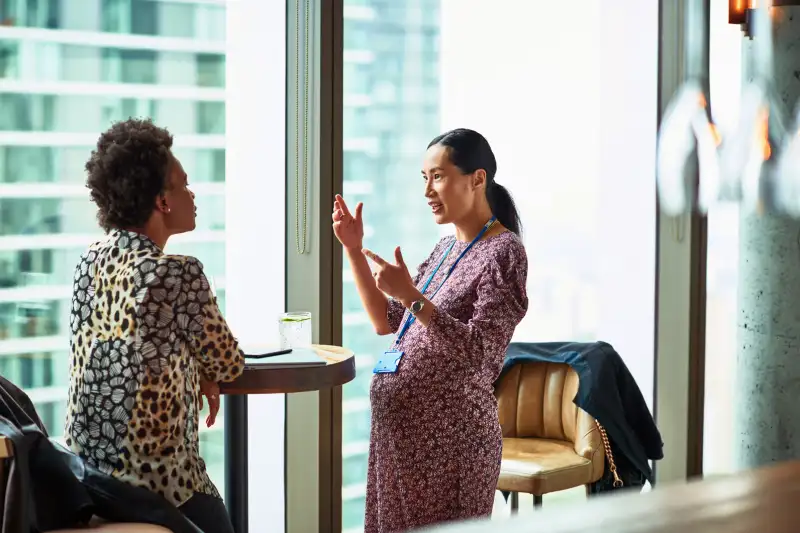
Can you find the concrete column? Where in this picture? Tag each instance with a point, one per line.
(767, 413)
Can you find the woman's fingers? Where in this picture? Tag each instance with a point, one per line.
(213, 409)
(378, 260)
(342, 204)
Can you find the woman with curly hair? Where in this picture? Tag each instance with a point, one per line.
(147, 338)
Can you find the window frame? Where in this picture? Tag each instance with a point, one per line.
(321, 263)
(681, 277)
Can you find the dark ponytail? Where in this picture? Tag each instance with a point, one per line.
(503, 207)
(470, 151)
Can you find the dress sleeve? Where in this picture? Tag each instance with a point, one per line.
(501, 304)
(211, 342)
(396, 311)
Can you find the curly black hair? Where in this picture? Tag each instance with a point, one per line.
(127, 171)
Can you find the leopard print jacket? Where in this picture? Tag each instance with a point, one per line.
(144, 328)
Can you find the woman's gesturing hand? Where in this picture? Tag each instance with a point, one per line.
(394, 280)
(348, 229)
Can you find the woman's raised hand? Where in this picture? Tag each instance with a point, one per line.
(348, 229)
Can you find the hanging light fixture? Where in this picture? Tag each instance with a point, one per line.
(740, 11)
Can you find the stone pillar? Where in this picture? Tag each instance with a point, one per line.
(767, 394)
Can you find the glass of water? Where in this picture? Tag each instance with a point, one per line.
(295, 329)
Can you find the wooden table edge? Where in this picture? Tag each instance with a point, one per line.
(286, 380)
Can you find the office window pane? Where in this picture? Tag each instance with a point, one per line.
(722, 264)
(57, 95)
(255, 228)
(570, 110)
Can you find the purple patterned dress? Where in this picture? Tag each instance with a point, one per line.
(436, 444)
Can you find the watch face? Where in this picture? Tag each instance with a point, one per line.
(416, 306)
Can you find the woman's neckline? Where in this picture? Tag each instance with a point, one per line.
(138, 235)
(484, 239)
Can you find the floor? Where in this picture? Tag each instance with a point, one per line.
(502, 509)
(576, 496)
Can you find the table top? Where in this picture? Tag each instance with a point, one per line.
(762, 501)
(340, 369)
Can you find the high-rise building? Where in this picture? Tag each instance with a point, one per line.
(68, 68)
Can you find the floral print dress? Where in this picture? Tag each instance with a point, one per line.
(436, 443)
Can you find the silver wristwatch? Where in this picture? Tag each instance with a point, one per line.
(417, 306)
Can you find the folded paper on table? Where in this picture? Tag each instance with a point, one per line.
(297, 357)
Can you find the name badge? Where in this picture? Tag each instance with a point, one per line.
(388, 362)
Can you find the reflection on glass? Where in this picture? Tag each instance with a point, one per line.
(59, 94)
(684, 129)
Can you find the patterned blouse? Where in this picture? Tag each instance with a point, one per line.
(145, 328)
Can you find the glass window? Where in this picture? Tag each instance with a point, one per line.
(255, 240)
(211, 117)
(26, 164)
(85, 63)
(46, 219)
(64, 165)
(145, 17)
(26, 112)
(554, 104)
(135, 66)
(210, 70)
(722, 263)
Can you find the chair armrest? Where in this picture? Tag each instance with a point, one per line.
(589, 444)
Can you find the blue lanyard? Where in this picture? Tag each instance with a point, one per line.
(411, 318)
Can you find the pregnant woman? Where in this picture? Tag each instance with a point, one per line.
(436, 444)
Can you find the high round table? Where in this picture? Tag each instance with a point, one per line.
(266, 378)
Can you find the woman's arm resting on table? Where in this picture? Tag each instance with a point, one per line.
(211, 342)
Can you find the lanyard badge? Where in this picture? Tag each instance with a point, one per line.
(389, 361)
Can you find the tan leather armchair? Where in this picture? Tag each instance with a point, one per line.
(549, 444)
(7, 455)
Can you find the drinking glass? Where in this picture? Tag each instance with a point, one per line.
(295, 329)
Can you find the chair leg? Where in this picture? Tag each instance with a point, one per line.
(514, 502)
(537, 502)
